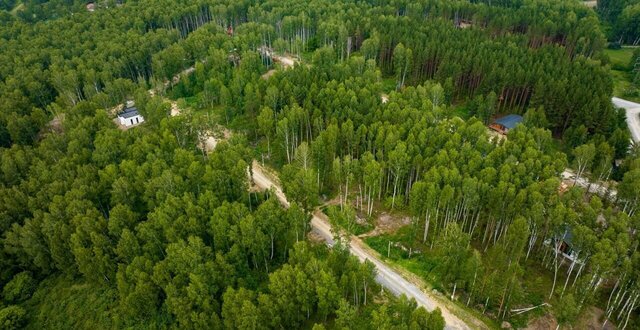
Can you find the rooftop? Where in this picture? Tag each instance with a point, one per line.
(509, 121)
(129, 112)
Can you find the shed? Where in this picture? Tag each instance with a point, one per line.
(504, 124)
(130, 117)
(565, 245)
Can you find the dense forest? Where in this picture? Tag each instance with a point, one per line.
(169, 237)
(543, 61)
(623, 20)
(386, 109)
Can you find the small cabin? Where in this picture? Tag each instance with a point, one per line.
(504, 124)
(565, 246)
(130, 117)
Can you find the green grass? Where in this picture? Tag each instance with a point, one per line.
(620, 58)
(421, 263)
(622, 86)
(621, 73)
(354, 228)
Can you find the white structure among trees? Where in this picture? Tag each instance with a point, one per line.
(130, 117)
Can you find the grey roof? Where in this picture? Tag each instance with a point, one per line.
(129, 112)
(509, 121)
(568, 236)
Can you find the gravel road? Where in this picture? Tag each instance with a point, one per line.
(386, 276)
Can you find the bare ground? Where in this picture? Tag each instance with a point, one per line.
(211, 138)
(175, 110)
(55, 125)
(387, 224)
(269, 73)
(546, 322)
(592, 319)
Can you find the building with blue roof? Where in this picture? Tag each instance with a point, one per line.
(504, 124)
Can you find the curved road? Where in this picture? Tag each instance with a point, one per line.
(386, 276)
(633, 116)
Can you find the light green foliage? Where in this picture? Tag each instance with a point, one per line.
(567, 310)
(12, 317)
(454, 255)
(20, 288)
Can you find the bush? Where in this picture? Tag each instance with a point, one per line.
(399, 203)
(12, 317)
(20, 288)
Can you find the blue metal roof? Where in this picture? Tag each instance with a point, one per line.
(509, 121)
(129, 112)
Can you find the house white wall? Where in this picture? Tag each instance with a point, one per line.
(131, 120)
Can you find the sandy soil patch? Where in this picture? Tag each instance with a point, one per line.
(315, 237)
(211, 138)
(592, 319)
(210, 143)
(175, 110)
(287, 61)
(55, 125)
(115, 110)
(268, 75)
(387, 224)
(546, 322)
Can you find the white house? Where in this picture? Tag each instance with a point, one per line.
(130, 117)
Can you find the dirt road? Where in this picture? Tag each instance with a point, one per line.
(386, 276)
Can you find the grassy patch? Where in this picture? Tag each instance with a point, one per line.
(621, 73)
(620, 58)
(347, 220)
(420, 263)
(622, 86)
